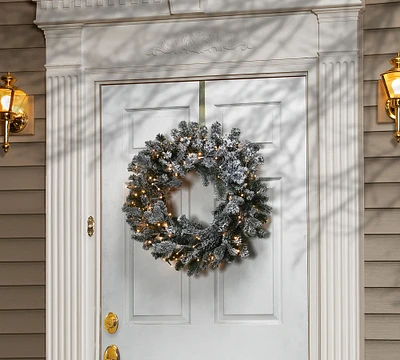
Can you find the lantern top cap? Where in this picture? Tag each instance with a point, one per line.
(395, 62)
(8, 80)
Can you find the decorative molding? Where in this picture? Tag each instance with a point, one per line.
(338, 14)
(58, 39)
(92, 11)
(188, 6)
(95, 11)
(134, 41)
(329, 20)
(198, 43)
(70, 4)
(340, 212)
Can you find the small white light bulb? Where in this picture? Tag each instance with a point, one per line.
(5, 102)
(396, 86)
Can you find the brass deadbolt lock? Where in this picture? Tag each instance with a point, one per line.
(111, 353)
(111, 323)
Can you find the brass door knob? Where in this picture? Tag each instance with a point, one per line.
(111, 323)
(111, 353)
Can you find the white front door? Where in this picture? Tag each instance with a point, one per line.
(255, 309)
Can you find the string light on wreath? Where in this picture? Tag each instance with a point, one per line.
(223, 160)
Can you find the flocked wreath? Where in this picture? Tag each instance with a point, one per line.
(223, 160)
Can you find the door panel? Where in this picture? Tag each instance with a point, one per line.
(129, 119)
(255, 308)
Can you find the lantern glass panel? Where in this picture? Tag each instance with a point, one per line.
(5, 98)
(19, 98)
(392, 84)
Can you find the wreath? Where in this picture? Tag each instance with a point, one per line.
(223, 160)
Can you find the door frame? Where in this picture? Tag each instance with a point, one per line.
(73, 183)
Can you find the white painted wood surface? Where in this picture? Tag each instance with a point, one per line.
(73, 155)
(263, 300)
(72, 11)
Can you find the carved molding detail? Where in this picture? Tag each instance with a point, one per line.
(199, 43)
(66, 4)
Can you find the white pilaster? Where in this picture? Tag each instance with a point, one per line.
(66, 239)
(340, 136)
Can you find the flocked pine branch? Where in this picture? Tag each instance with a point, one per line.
(223, 160)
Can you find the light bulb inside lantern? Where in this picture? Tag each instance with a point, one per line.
(5, 102)
(396, 86)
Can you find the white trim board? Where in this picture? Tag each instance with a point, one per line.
(80, 58)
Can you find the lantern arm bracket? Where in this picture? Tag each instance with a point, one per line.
(390, 109)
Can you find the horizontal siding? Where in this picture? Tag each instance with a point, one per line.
(22, 297)
(28, 250)
(22, 321)
(382, 221)
(15, 178)
(22, 202)
(14, 60)
(382, 274)
(382, 247)
(382, 16)
(22, 193)
(383, 41)
(382, 350)
(369, 2)
(22, 226)
(24, 154)
(371, 121)
(22, 273)
(21, 37)
(17, 13)
(380, 196)
(40, 106)
(380, 144)
(382, 300)
(370, 93)
(382, 327)
(375, 65)
(29, 346)
(382, 189)
(378, 170)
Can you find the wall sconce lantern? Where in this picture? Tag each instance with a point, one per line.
(12, 108)
(391, 82)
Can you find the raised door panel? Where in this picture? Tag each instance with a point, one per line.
(145, 305)
(133, 114)
(259, 297)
